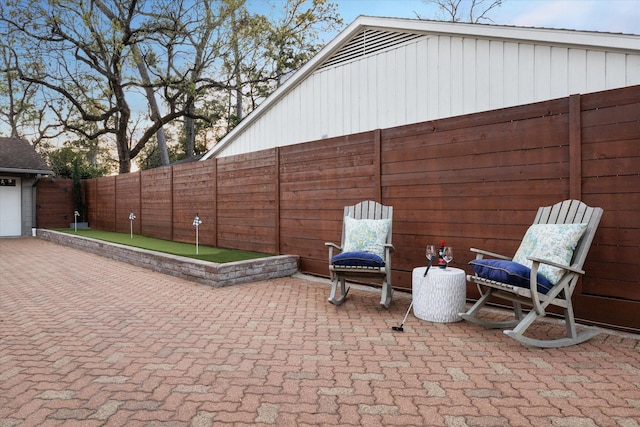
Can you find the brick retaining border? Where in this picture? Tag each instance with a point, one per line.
(205, 272)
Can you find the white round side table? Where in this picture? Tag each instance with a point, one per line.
(441, 295)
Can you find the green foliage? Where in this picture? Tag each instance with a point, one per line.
(78, 199)
(149, 157)
(64, 160)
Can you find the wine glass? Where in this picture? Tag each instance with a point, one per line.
(447, 254)
(431, 252)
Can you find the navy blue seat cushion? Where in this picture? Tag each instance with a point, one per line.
(359, 259)
(508, 272)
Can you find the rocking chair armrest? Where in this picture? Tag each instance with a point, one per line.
(555, 264)
(480, 253)
(333, 245)
(390, 247)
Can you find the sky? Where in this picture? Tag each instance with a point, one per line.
(614, 16)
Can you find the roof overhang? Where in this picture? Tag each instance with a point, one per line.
(26, 171)
(609, 41)
(597, 40)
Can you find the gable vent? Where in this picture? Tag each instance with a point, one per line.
(366, 43)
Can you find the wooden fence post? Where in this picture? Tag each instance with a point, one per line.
(171, 201)
(115, 201)
(575, 147)
(377, 179)
(277, 200)
(215, 201)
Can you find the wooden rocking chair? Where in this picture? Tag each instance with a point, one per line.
(365, 249)
(554, 234)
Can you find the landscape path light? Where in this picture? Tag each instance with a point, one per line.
(131, 218)
(196, 224)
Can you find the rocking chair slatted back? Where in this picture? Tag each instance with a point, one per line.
(573, 212)
(369, 210)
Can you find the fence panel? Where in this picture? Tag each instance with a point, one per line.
(316, 181)
(478, 185)
(54, 203)
(247, 201)
(474, 180)
(102, 203)
(610, 128)
(194, 192)
(157, 203)
(128, 200)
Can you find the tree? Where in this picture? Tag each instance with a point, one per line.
(146, 82)
(236, 59)
(63, 160)
(262, 52)
(149, 157)
(200, 35)
(473, 11)
(88, 55)
(101, 65)
(21, 111)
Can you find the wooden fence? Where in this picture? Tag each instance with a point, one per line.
(474, 180)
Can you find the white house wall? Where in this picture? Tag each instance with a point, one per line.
(435, 76)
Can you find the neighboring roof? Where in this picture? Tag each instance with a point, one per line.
(367, 34)
(18, 156)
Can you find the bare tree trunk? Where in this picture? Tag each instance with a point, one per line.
(189, 133)
(151, 98)
(238, 103)
(153, 105)
(12, 115)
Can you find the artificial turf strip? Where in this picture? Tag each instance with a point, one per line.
(205, 253)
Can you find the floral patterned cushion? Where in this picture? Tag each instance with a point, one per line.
(553, 242)
(365, 235)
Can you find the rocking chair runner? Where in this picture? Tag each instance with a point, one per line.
(553, 235)
(365, 250)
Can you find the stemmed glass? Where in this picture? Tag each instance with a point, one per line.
(447, 254)
(431, 252)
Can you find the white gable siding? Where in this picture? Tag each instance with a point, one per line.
(431, 77)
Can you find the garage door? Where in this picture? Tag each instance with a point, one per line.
(10, 207)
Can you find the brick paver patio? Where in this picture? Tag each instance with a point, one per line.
(87, 341)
